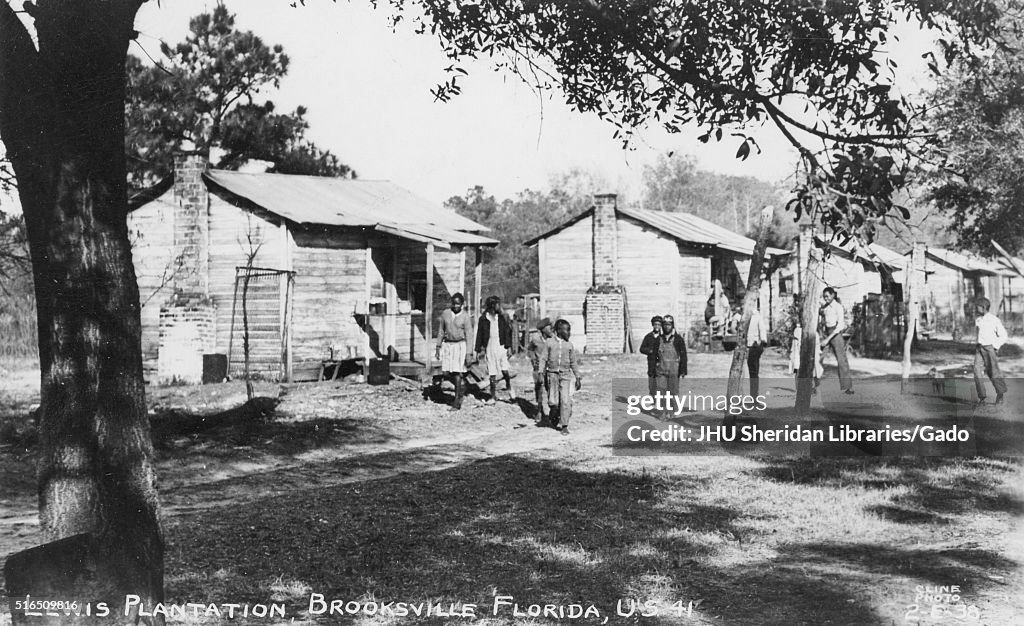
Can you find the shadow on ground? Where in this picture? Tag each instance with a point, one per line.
(936, 489)
(543, 533)
(255, 425)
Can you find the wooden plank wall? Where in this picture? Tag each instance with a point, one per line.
(263, 313)
(694, 281)
(649, 270)
(330, 268)
(151, 229)
(230, 231)
(568, 271)
(944, 288)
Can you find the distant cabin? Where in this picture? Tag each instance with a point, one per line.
(855, 271)
(954, 280)
(610, 269)
(335, 269)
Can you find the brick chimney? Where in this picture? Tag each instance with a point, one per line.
(188, 319)
(604, 306)
(191, 225)
(605, 247)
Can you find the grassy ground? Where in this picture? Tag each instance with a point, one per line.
(377, 494)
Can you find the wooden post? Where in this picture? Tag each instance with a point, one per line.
(428, 313)
(750, 300)
(389, 330)
(961, 311)
(462, 271)
(288, 367)
(478, 278)
(367, 349)
(542, 274)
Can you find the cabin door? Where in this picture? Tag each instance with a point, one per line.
(384, 297)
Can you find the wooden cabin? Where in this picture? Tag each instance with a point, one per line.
(954, 279)
(852, 269)
(330, 269)
(610, 269)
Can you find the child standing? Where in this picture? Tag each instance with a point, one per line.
(453, 328)
(537, 339)
(649, 346)
(560, 363)
(991, 336)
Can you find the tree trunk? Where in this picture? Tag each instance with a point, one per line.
(809, 339)
(915, 268)
(739, 355)
(62, 122)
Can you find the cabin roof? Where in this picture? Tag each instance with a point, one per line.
(872, 254)
(965, 263)
(374, 204)
(680, 226)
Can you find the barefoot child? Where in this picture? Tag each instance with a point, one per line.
(453, 328)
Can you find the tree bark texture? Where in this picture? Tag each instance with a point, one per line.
(750, 299)
(811, 292)
(62, 122)
(915, 269)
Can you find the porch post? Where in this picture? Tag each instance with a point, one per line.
(478, 277)
(428, 313)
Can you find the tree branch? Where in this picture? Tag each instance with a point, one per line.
(778, 116)
(19, 76)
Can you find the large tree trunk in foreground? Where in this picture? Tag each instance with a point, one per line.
(750, 298)
(62, 122)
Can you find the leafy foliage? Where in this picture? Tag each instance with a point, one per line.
(15, 265)
(979, 121)
(727, 67)
(511, 268)
(206, 98)
(674, 183)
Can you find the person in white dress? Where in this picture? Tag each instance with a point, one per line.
(494, 344)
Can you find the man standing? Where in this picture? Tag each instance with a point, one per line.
(453, 327)
(494, 342)
(536, 346)
(757, 339)
(671, 365)
(991, 336)
(649, 346)
(834, 320)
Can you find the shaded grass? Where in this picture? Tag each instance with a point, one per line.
(751, 542)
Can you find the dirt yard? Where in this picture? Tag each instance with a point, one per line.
(376, 494)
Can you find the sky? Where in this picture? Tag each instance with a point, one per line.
(367, 91)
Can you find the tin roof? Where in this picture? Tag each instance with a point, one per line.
(964, 263)
(682, 226)
(872, 254)
(376, 204)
